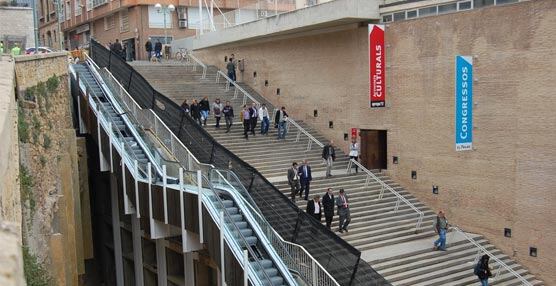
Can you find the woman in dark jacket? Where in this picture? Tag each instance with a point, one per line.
(195, 111)
(185, 107)
(205, 109)
(482, 270)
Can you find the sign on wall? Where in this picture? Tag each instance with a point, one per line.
(464, 103)
(377, 64)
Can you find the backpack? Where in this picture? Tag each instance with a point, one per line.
(477, 270)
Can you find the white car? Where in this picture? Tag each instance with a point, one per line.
(42, 50)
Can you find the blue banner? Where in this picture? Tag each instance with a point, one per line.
(464, 103)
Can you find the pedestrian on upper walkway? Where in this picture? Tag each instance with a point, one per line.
(217, 109)
(205, 109)
(482, 270)
(254, 115)
(245, 117)
(329, 155)
(354, 152)
(117, 48)
(314, 208)
(196, 111)
(16, 51)
(228, 112)
(305, 178)
(342, 203)
(149, 49)
(280, 122)
(293, 180)
(441, 227)
(328, 205)
(234, 61)
(1, 48)
(263, 116)
(158, 50)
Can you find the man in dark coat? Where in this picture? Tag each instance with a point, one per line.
(293, 180)
(329, 156)
(149, 49)
(328, 205)
(314, 208)
(158, 50)
(305, 179)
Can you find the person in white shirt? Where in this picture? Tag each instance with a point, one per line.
(263, 116)
(354, 152)
(314, 208)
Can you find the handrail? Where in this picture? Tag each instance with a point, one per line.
(482, 249)
(238, 235)
(198, 62)
(294, 261)
(237, 87)
(302, 130)
(371, 175)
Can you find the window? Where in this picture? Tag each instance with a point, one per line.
(161, 39)
(193, 17)
(89, 4)
(447, 8)
(78, 7)
(411, 14)
(398, 16)
(109, 22)
(68, 10)
(156, 18)
(482, 3)
(387, 18)
(124, 21)
(427, 11)
(98, 2)
(464, 5)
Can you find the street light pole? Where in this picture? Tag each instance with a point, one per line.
(165, 10)
(35, 26)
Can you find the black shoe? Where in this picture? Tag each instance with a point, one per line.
(341, 231)
(345, 229)
(228, 131)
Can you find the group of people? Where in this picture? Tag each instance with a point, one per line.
(316, 208)
(119, 49)
(441, 226)
(155, 50)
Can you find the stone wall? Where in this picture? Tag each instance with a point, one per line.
(507, 181)
(18, 22)
(52, 226)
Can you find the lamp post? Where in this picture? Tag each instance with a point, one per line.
(165, 10)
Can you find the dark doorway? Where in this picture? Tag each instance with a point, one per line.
(373, 149)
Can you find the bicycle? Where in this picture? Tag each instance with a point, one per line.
(181, 54)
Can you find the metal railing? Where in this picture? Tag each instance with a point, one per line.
(383, 188)
(295, 256)
(481, 249)
(302, 131)
(229, 82)
(197, 62)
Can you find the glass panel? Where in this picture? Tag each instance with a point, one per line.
(387, 18)
(411, 14)
(447, 8)
(464, 5)
(427, 11)
(398, 16)
(482, 3)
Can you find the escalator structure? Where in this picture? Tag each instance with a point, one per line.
(227, 209)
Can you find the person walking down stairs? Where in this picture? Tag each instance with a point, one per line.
(293, 180)
(354, 152)
(441, 226)
(280, 122)
(305, 178)
(205, 109)
(228, 112)
(482, 270)
(217, 109)
(329, 155)
(185, 107)
(245, 117)
(263, 116)
(196, 111)
(254, 115)
(328, 205)
(231, 67)
(314, 208)
(342, 203)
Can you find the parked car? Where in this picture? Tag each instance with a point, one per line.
(42, 50)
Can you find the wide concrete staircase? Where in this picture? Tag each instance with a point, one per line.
(387, 238)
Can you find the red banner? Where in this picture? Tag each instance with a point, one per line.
(377, 66)
(353, 132)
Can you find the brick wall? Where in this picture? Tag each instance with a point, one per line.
(508, 180)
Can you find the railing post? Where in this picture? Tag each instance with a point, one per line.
(314, 273)
(136, 170)
(381, 191)
(397, 205)
(235, 93)
(298, 135)
(245, 268)
(367, 180)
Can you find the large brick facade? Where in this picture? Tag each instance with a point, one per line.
(508, 180)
